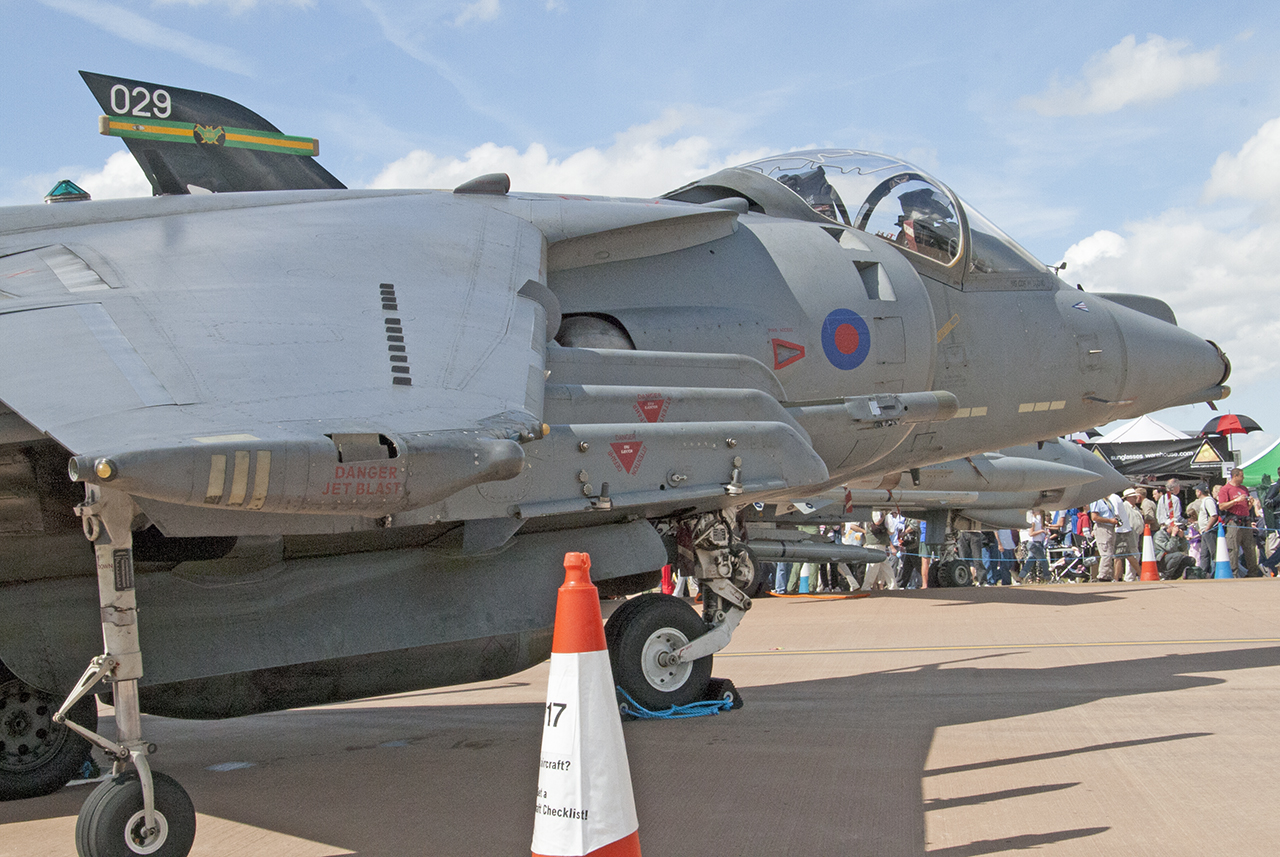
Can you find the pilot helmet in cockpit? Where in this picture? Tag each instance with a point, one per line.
(928, 224)
(924, 205)
(812, 186)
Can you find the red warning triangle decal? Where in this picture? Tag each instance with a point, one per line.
(785, 353)
(628, 454)
(652, 408)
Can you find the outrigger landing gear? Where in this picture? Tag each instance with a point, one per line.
(37, 756)
(135, 812)
(660, 649)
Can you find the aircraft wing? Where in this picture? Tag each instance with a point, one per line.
(356, 355)
(185, 139)
(292, 373)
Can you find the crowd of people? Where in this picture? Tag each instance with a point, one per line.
(1186, 535)
(1185, 525)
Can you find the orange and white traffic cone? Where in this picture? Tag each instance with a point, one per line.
(1150, 571)
(585, 804)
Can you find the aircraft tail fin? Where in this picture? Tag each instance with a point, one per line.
(185, 139)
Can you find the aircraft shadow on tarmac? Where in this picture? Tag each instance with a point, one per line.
(1055, 596)
(1043, 596)
(832, 766)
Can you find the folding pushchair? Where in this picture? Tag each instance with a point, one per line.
(1076, 563)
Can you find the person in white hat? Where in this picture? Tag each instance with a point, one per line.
(1128, 535)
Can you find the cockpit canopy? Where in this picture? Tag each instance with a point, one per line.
(898, 202)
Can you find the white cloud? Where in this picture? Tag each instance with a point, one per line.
(481, 10)
(639, 163)
(1253, 173)
(1129, 73)
(132, 27)
(119, 177)
(1101, 245)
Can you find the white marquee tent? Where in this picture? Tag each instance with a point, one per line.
(1142, 430)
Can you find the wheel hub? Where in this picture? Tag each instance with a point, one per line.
(141, 840)
(656, 660)
(28, 734)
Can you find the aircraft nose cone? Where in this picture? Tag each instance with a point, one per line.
(1111, 482)
(1166, 366)
(1106, 480)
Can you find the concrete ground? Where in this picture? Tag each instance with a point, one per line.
(1091, 719)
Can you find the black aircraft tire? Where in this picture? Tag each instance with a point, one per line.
(38, 756)
(956, 573)
(654, 624)
(762, 578)
(617, 620)
(110, 819)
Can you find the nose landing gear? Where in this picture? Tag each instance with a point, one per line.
(643, 636)
(660, 648)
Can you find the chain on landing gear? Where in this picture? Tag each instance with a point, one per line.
(149, 812)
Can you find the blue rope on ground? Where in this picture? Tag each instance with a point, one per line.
(675, 712)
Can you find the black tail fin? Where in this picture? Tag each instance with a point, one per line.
(184, 139)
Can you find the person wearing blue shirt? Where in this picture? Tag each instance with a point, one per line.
(1104, 517)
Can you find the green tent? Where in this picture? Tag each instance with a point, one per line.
(1263, 465)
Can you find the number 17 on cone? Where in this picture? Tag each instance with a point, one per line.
(585, 805)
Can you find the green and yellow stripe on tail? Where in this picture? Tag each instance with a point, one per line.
(209, 135)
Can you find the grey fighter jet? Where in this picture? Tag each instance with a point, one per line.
(329, 443)
(992, 490)
(996, 489)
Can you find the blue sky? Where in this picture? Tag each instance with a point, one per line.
(1131, 139)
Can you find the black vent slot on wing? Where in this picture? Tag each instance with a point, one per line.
(396, 353)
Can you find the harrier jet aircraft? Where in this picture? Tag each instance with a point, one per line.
(330, 443)
(991, 490)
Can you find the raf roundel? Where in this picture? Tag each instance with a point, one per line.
(845, 339)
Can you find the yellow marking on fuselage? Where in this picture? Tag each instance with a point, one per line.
(261, 478)
(239, 479)
(948, 327)
(217, 478)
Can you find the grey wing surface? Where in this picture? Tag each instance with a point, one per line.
(226, 355)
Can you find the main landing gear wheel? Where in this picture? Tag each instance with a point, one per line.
(112, 822)
(955, 573)
(640, 635)
(38, 756)
(761, 577)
